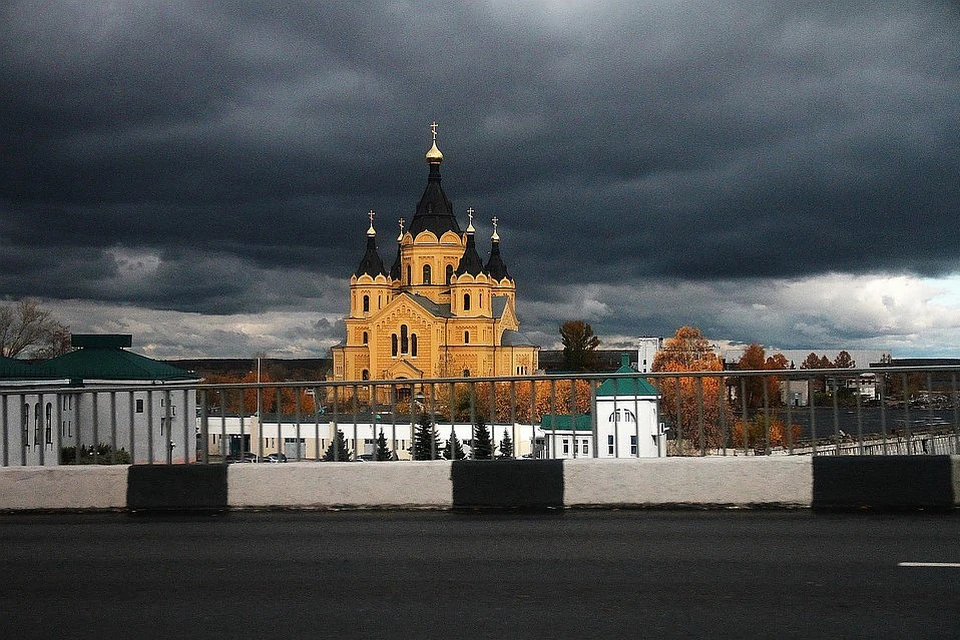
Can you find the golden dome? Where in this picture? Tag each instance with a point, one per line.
(434, 155)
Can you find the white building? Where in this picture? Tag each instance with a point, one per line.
(98, 394)
(626, 425)
(309, 439)
(647, 349)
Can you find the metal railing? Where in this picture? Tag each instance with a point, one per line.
(876, 411)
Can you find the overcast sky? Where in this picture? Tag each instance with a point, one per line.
(198, 173)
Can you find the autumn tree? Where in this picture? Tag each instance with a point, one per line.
(813, 361)
(244, 401)
(579, 346)
(533, 399)
(754, 359)
(761, 432)
(28, 330)
(844, 361)
(686, 398)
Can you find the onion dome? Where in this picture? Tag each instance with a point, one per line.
(371, 264)
(470, 262)
(495, 266)
(434, 211)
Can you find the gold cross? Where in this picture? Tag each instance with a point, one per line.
(371, 214)
(401, 226)
(470, 214)
(494, 220)
(433, 127)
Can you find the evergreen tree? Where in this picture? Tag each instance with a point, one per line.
(579, 346)
(506, 446)
(453, 450)
(337, 451)
(482, 443)
(426, 443)
(382, 453)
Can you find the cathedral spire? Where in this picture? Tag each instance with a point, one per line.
(395, 269)
(470, 262)
(371, 264)
(495, 266)
(434, 211)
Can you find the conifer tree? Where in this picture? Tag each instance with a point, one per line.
(337, 451)
(506, 446)
(426, 443)
(482, 443)
(382, 453)
(453, 450)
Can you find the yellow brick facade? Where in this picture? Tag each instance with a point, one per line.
(438, 312)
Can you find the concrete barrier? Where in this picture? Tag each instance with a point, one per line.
(371, 485)
(689, 482)
(886, 482)
(508, 484)
(847, 482)
(67, 488)
(178, 487)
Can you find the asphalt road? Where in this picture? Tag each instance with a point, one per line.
(599, 574)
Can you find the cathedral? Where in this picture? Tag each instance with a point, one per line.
(439, 311)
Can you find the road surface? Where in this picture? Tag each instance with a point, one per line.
(586, 574)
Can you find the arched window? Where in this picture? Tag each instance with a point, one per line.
(365, 375)
(366, 303)
(426, 274)
(625, 416)
(48, 424)
(37, 423)
(466, 337)
(25, 425)
(404, 339)
(449, 273)
(480, 300)
(409, 275)
(393, 345)
(466, 373)
(466, 302)
(366, 338)
(413, 345)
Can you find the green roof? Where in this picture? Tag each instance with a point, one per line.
(563, 422)
(626, 386)
(111, 363)
(12, 369)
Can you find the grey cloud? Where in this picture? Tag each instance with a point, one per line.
(619, 142)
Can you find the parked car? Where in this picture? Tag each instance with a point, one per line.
(275, 457)
(246, 456)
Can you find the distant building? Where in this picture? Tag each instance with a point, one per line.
(152, 422)
(647, 349)
(439, 311)
(627, 423)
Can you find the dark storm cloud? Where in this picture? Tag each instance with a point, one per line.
(229, 144)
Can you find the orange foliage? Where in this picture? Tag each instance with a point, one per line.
(754, 359)
(689, 351)
(237, 401)
(543, 397)
(756, 436)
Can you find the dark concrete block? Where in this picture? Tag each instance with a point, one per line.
(195, 487)
(508, 484)
(882, 482)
